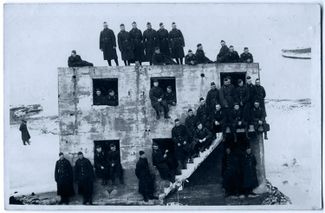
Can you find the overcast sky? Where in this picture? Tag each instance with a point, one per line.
(40, 37)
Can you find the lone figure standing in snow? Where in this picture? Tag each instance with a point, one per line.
(24, 132)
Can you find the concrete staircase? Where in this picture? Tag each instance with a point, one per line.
(191, 168)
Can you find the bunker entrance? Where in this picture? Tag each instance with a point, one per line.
(164, 82)
(234, 76)
(106, 146)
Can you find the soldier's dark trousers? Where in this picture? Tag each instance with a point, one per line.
(110, 63)
(179, 60)
(127, 63)
(116, 172)
(161, 106)
(64, 200)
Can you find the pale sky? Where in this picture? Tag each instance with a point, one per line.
(39, 38)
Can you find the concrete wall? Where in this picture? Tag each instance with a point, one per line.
(133, 122)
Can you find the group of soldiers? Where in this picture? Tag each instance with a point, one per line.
(107, 166)
(156, 47)
(110, 99)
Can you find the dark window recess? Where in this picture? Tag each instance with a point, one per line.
(234, 77)
(164, 82)
(105, 86)
(105, 144)
(164, 143)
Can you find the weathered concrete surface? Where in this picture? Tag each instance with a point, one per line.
(133, 121)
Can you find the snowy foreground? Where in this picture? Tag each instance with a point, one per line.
(288, 154)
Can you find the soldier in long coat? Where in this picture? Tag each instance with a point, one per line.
(137, 43)
(260, 94)
(101, 165)
(75, 61)
(150, 41)
(231, 174)
(84, 176)
(146, 179)
(181, 143)
(232, 55)
(251, 97)
(212, 98)
(111, 98)
(114, 163)
(241, 94)
(125, 45)
(163, 42)
(237, 119)
(159, 58)
(25, 136)
(202, 113)
(227, 95)
(107, 44)
(170, 96)
(218, 119)
(63, 175)
(160, 161)
(190, 58)
(223, 52)
(246, 56)
(177, 44)
(250, 181)
(258, 119)
(200, 55)
(158, 102)
(99, 98)
(190, 124)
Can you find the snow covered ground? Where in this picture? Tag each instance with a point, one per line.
(288, 154)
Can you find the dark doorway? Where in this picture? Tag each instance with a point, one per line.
(164, 82)
(105, 144)
(105, 85)
(234, 76)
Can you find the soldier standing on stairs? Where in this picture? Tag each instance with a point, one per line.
(159, 160)
(180, 138)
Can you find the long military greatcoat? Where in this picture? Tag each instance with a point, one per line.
(179, 135)
(63, 175)
(150, 42)
(146, 180)
(221, 57)
(84, 175)
(25, 136)
(177, 43)
(246, 58)
(107, 43)
(137, 43)
(249, 172)
(212, 99)
(125, 45)
(101, 161)
(227, 96)
(163, 42)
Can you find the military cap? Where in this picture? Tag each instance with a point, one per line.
(189, 51)
(121, 25)
(73, 51)
(169, 87)
(245, 48)
(173, 23)
(212, 83)
(61, 153)
(248, 77)
(256, 101)
(199, 44)
(155, 80)
(176, 119)
(134, 22)
(257, 79)
(148, 23)
(231, 46)
(190, 110)
(112, 145)
(157, 48)
(201, 98)
(141, 152)
(198, 123)
(222, 41)
(239, 81)
(161, 24)
(80, 153)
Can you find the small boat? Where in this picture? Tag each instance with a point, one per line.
(299, 53)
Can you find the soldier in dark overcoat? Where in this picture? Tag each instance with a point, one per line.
(237, 119)
(84, 176)
(212, 98)
(107, 44)
(221, 57)
(200, 55)
(250, 181)
(190, 124)
(202, 114)
(163, 41)
(99, 98)
(227, 95)
(137, 43)
(258, 119)
(63, 175)
(101, 165)
(125, 45)
(146, 179)
(260, 94)
(190, 58)
(246, 56)
(75, 61)
(159, 58)
(202, 137)
(160, 161)
(111, 99)
(25, 136)
(181, 143)
(232, 55)
(114, 163)
(231, 174)
(150, 42)
(158, 102)
(170, 96)
(177, 44)
(218, 119)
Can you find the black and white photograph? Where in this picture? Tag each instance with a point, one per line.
(162, 106)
